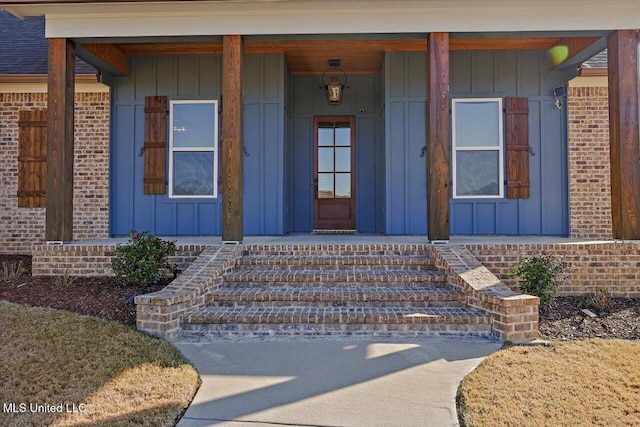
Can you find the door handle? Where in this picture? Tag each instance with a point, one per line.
(314, 182)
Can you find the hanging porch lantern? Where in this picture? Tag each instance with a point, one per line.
(334, 88)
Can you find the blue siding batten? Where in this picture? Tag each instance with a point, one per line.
(264, 144)
(405, 136)
(198, 77)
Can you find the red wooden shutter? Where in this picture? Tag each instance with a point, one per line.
(32, 158)
(155, 144)
(517, 138)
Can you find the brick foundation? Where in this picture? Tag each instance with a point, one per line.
(22, 227)
(93, 260)
(614, 266)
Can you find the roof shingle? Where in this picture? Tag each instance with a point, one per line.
(23, 47)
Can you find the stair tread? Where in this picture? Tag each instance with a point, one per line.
(385, 259)
(342, 293)
(335, 315)
(272, 275)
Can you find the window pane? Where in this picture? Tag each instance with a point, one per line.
(477, 124)
(343, 159)
(325, 186)
(193, 125)
(477, 173)
(343, 185)
(343, 134)
(325, 159)
(325, 134)
(193, 173)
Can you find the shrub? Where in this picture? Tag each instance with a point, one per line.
(600, 300)
(539, 277)
(142, 260)
(65, 280)
(11, 271)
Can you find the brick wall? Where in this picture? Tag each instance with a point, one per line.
(514, 316)
(21, 227)
(589, 162)
(615, 266)
(93, 260)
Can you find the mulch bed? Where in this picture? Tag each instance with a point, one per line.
(566, 321)
(104, 297)
(93, 296)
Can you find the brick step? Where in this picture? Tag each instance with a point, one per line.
(336, 296)
(268, 277)
(299, 262)
(337, 250)
(296, 320)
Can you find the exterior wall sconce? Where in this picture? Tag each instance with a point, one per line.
(334, 87)
(559, 92)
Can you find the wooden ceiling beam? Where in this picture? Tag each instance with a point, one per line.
(285, 46)
(357, 55)
(516, 43)
(172, 48)
(109, 54)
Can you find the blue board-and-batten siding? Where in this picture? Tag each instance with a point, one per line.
(487, 74)
(390, 111)
(362, 99)
(198, 77)
(405, 137)
(528, 74)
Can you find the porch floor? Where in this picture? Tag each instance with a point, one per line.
(354, 239)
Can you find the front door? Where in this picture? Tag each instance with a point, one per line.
(334, 177)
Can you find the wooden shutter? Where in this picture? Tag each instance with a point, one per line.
(32, 158)
(155, 144)
(517, 139)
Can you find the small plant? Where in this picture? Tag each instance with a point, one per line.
(539, 277)
(11, 271)
(142, 260)
(600, 300)
(64, 281)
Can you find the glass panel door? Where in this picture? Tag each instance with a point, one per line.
(334, 183)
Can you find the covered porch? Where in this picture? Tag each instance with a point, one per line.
(370, 40)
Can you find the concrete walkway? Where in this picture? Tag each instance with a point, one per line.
(330, 382)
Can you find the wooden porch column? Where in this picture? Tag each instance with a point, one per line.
(232, 142)
(59, 187)
(438, 137)
(624, 134)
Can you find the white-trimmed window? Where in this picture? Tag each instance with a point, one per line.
(193, 149)
(478, 161)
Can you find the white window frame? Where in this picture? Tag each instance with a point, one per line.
(213, 149)
(499, 148)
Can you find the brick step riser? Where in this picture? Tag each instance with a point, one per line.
(324, 253)
(405, 304)
(435, 283)
(335, 267)
(337, 329)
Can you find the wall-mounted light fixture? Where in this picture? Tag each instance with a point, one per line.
(559, 92)
(334, 87)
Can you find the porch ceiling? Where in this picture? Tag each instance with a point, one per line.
(356, 55)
